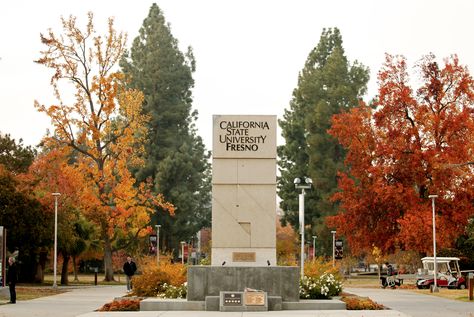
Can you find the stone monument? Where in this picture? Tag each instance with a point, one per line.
(244, 275)
(244, 190)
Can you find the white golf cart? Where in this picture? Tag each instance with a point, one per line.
(448, 275)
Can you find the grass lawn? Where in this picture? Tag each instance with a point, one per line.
(362, 282)
(456, 294)
(29, 292)
(409, 285)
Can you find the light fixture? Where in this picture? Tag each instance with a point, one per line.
(302, 183)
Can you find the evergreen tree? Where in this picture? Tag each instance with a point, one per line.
(15, 157)
(176, 160)
(328, 84)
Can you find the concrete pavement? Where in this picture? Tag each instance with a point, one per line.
(282, 313)
(416, 305)
(83, 301)
(75, 302)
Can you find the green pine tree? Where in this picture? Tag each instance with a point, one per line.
(328, 84)
(177, 160)
(15, 156)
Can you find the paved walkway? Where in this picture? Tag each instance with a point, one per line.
(416, 305)
(73, 303)
(283, 313)
(83, 301)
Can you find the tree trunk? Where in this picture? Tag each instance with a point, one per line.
(40, 266)
(108, 267)
(64, 270)
(39, 276)
(74, 268)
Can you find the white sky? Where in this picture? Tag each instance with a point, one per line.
(248, 52)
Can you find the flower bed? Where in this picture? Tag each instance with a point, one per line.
(122, 305)
(163, 281)
(322, 287)
(361, 303)
(171, 291)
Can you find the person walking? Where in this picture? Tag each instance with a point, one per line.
(129, 268)
(12, 279)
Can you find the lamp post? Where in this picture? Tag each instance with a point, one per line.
(182, 252)
(314, 247)
(435, 287)
(190, 249)
(333, 246)
(302, 183)
(56, 195)
(158, 244)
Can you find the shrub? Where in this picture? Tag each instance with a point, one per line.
(156, 280)
(177, 272)
(325, 286)
(171, 291)
(361, 303)
(122, 305)
(206, 261)
(319, 266)
(150, 282)
(321, 280)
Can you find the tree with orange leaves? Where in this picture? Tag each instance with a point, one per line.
(403, 149)
(51, 172)
(286, 245)
(104, 125)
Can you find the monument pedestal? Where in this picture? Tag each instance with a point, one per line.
(206, 283)
(280, 281)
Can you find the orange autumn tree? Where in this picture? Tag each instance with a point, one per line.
(402, 149)
(104, 125)
(286, 244)
(49, 173)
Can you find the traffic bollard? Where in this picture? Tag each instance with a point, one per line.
(471, 285)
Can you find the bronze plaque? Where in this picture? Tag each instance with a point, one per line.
(254, 298)
(232, 299)
(243, 256)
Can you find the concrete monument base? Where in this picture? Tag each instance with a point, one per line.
(282, 281)
(206, 284)
(212, 304)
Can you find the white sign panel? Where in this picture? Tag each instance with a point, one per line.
(249, 136)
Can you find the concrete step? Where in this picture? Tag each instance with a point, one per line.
(315, 304)
(158, 304)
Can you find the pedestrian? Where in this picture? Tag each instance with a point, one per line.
(390, 270)
(12, 279)
(129, 268)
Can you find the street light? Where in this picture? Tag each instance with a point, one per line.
(56, 195)
(158, 244)
(190, 249)
(333, 246)
(182, 252)
(435, 287)
(314, 247)
(302, 183)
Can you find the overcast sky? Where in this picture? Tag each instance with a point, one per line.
(248, 52)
